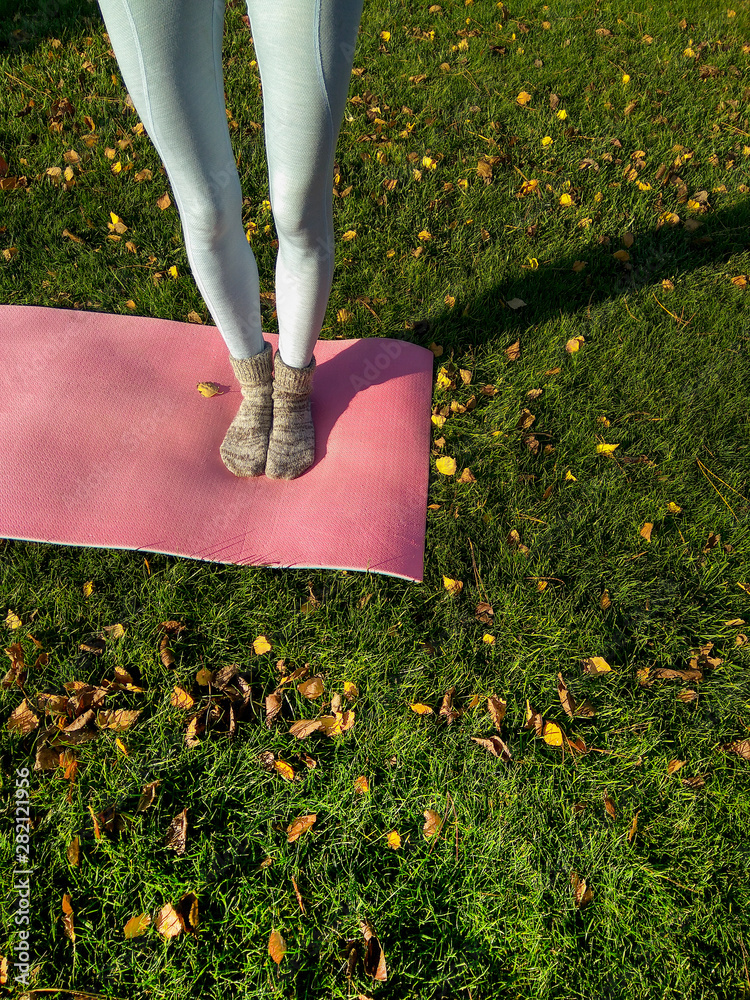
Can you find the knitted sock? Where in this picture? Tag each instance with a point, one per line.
(291, 445)
(244, 447)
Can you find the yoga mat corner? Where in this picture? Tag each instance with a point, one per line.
(105, 441)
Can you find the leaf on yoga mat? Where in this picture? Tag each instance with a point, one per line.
(312, 688)
(177, 833)
(208, 389)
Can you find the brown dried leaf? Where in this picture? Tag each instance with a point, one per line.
(351, 691)
(433, 824)
(148, 795)
(687, 696)
(177, 832)
(534, 719)
(298, 894)
(137, 925)
(276, 946)
(47, 759)
(338, 723)
(741, 747)
(496, 707)
(633, 827)
(74, 852)
(495, 746)
(118, 718)
(446, 709)
(361, 785)
(299, 826)
(67, 909)
(187, 911)
(665, 673)
(226, 675)
(374, 960)
(674, 765)
(569, 704)
(581, 893)
(305, 727)
(312, 688)
(694, 783)
(273, 705)
(167, 922)
(609, 806)
(22, 719)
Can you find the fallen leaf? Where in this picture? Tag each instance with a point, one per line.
(421, 709)
(73, 852)
(394, 840)
(148, 795)
(496, 707)
(495, 746)
(273, 705)
(581, 893)
(666, 673)
(361, 784)
(312, 688)
(351, 691)
(276, 946)
(118, 718)
(552, 734)
(534, 719)
(609, 806)
(674, 765)
(187, 912)
(741, 747)
(167, 922)
(338, 723)
(67, 909)
(595, 665)
(285, 770)
(299, 826)
(374, 960)
(304, 727)
(433, 823)
(177, 833)
(22, 719)
(137, 925)
(181, 699)
(633, 827)
(568, 702)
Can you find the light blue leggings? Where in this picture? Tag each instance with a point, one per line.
(169, 55)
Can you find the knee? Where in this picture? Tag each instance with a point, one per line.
(213, 208)
(303, 216)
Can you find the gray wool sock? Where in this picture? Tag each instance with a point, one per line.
(244, 447)
(291, 445)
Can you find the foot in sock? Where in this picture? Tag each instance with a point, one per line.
(244, 447)
(291, 445)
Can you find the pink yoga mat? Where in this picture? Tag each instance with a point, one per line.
(106, 441)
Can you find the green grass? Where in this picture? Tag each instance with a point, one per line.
(487, 911)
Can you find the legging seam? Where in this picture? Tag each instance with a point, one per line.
(144, 79)
(321, 75)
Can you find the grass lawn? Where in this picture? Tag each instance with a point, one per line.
(592, 162)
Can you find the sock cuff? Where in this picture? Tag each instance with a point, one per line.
(256, 369)
(293, 379)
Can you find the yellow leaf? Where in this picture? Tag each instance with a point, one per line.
(261, 645)
(351, 691)
(646, 530)
(566, 200)
(606, 449)
(574, 344)
(569, 475)
(12, 620)
(394, 840)
(446, 465)
(121, 746)
(350, 234)
(208, 389)
(622, 255)
(552, 734)
(137, 925)
(547, 140)
(285, 770)
(562, 114)
(523, 98)
(421, 709)
(452, 586)
(385, 35)
(361, 785)
(424, 235)
(88, 588)
(625, 78)
(673, 508)
(173, 270)
(595, 665)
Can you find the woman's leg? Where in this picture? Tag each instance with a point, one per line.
(169, 55)
(305, 51)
